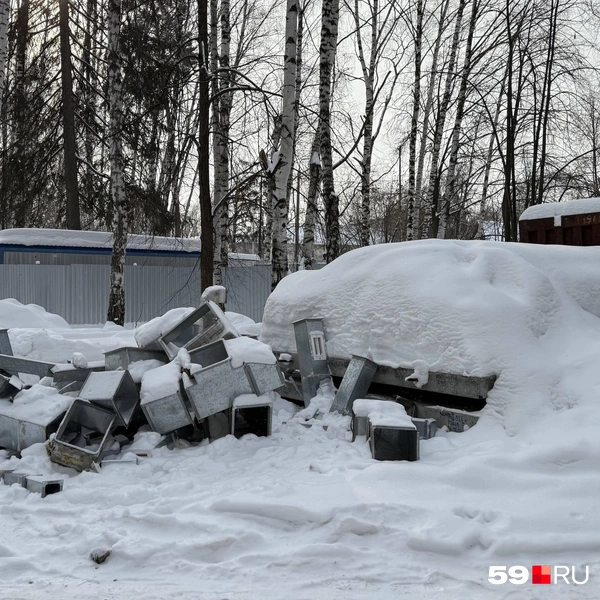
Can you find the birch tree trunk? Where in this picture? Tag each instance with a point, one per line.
(282, 160)
(368, 72)
(412, 214)
(308, 244)
(489, 159)
(221, 146)
(327, 50)
(460, 112)
(431, 220)
(299, 41)
(116, 301)
(426, 115)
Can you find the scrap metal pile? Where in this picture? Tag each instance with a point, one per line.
(200, 379)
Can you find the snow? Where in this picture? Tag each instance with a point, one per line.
(39, 404)
(382, 413)
(245, 400)
(526, 313)
(94, 239)
(62, 367)
(15, 314)
(139, 367)
(79, 360)
(306, 513)
(215, 293)
(161, 382)
(247, 350)
(244, 325)
(560, 209)
(150, 332)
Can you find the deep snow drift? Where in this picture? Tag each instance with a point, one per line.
(307, 513)
(526, 313)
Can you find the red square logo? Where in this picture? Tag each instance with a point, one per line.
(541, 574)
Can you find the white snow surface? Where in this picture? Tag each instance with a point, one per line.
(139, 367)
(244, 400)
(94, 239)
(384, 413)
(526, 313)
(160, 382)
(244, 325)
(215, 293)
(559, 209)
(150, 332)
(247, 350)
(306, 513)
(39, 404)
(14, 314)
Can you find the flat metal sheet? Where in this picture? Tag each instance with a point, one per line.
(15, 365)
(5, 345)
(121, 358)
(312, 361)
(114, 390)
(265, 378)
(167, 414)
(216, 387)
(355, 384)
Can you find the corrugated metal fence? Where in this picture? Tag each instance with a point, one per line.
(79, 293)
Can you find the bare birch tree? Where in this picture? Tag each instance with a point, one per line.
(116, 301)
(281, 161)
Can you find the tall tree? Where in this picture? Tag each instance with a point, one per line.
(414, 123)
(327, 52)
(69, 144)
(282, 158)
(116, 301)
(206, 214)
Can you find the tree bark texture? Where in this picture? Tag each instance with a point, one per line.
(69, 144)
(460, 113)
(282, 160)
(431, 220)
(327, 51)
(412, 214)
(433, 77)
(116, 301)
(206, 216)
(308, 243)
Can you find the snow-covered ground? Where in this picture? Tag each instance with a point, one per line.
(307, 513)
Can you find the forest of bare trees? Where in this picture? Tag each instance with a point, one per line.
(294, 129)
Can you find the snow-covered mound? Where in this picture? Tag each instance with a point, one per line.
(520, 311)
(15, 314)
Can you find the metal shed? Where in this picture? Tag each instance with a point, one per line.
(67, 272)
(574, 223)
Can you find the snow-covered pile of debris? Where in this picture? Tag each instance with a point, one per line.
(526, 313)
(306, 512)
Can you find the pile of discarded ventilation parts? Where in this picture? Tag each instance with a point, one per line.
(200, 379)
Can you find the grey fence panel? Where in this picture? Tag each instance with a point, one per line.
(79, 293)
(151, 291)
(247, 289)
(89, 293)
